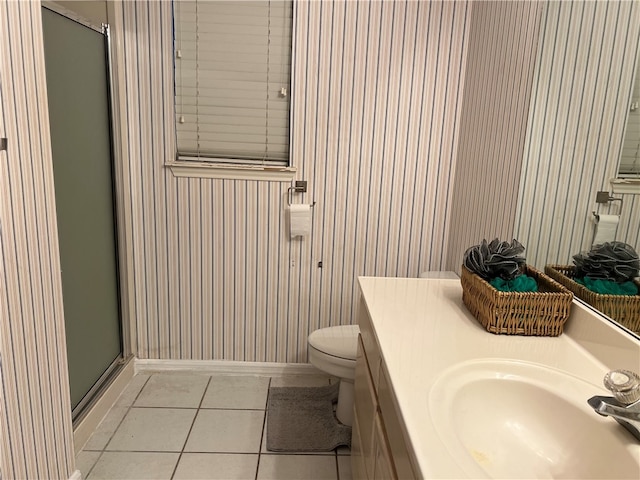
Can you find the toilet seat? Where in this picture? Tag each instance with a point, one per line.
(340, 341)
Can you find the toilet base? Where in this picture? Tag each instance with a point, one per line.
(344, 409)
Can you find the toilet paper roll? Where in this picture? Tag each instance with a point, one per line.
(606, 227)
(300, 220)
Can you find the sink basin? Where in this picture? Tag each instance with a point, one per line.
(508, 419)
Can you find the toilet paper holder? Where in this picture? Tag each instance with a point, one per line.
(605, 197)
(299, 187)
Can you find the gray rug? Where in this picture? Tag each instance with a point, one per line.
(301, 419)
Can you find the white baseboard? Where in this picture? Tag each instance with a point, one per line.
(271, 369)
(76, 475)
(89, 423)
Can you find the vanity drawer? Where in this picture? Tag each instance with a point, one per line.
(378, 444)
(357, 459)
(369, 342)
(365, 406)
(383, 462)
(401, 457)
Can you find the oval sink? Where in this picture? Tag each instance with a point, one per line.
(503, 419)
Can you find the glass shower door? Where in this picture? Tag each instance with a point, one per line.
(78, 95)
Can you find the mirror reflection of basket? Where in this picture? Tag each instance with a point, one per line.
(541, 313)
(624, 309)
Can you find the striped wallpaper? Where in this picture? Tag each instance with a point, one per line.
(502, 47)
(35, 413)
(380, 118)
(390, 102)
(377, 95)
(579, 104)
(386, 122)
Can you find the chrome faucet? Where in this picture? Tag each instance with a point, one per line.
(624, 406)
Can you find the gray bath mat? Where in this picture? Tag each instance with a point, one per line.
(301, 419)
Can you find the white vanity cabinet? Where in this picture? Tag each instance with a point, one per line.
(424, 362)
(379, 450)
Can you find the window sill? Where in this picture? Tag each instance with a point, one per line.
(231, 172)
(626, 185)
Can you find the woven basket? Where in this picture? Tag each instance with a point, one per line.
(624, 309)
(541, 313)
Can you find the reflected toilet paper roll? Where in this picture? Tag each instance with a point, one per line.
(300, 220)
(606, 227)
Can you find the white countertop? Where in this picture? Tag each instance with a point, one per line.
(422, 328)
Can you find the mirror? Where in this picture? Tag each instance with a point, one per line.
(630, 155)
(585, 68)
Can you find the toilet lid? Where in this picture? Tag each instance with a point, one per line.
(341, 341)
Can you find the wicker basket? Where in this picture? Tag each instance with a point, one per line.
(624, 309)
(541, 313)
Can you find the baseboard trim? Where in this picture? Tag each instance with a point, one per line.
(76, 475)
(272, 369)
(97, 412)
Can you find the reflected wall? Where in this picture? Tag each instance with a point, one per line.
(584, 73)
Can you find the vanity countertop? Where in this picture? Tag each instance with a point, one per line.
(423, 328)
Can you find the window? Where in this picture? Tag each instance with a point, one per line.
(630, 156)
(232, 76)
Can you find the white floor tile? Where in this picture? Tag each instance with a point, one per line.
(223, 431)
(153, 429)
(216, 466)
(85, 461)
(297, 467)
(237, 392)
(173, 391)
(224, 440)
(134, 465)
(130, 393)
(344, 467)
(101, 436)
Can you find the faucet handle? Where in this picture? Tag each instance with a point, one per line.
(624, 385)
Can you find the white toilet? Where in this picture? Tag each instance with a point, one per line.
(333, 350)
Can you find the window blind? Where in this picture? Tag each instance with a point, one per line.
(630, 155)
(232, 76)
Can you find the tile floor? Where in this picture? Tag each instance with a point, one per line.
(189, 426)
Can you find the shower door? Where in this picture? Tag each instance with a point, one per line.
(79, 114)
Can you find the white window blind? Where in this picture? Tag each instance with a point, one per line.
(232, 76)
(630, 156)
